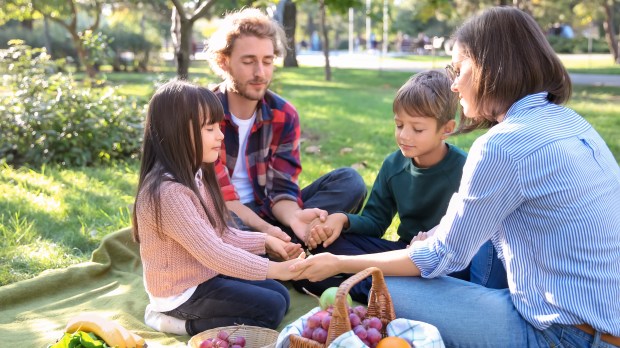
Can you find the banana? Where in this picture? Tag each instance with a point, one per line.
(111, 332)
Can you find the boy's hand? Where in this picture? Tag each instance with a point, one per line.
(327, 232)
(303, 218)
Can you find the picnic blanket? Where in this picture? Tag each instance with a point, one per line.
(34, 312)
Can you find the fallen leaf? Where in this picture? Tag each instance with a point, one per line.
(314, 149)
(358, 166)
(345, 150)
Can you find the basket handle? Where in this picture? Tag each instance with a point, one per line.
(379, 303)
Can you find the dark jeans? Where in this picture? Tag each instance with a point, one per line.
(225, 301)
(341, 190)
(485, 269)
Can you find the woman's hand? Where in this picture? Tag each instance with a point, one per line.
(282, 270)
(317, 267)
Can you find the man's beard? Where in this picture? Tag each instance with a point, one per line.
(242, 89)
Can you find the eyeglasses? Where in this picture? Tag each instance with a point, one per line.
(452, 72)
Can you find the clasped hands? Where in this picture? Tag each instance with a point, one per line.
(316, 227)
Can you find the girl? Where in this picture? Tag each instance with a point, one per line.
(198, 272)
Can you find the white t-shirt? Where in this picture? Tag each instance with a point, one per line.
(240, 178)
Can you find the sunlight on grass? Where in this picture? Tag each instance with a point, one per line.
(54, 216)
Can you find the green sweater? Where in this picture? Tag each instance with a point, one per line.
(420, 196)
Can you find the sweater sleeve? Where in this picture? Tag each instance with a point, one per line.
(253, 242)
(378, 211)
(182, 221)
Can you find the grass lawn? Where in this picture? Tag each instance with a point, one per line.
(52, 217)
(595, 63)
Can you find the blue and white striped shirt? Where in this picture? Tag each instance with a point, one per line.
(545, 188)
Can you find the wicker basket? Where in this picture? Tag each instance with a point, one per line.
(255, 337)
(379, 305)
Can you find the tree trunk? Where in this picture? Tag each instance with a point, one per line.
(328, 69)
(610, 33)
(289, 22)
(83, 55)
(46, 35)
(181, 31)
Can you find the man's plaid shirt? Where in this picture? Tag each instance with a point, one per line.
(272, 153)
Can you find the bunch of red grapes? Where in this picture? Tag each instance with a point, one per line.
(368, 329)
(224, 340)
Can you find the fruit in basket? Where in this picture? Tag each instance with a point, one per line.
(109, 331)
(224, 340)
(394, 342)
(328, 298)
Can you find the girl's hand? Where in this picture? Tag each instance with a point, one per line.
(293, 250)
(276, 248)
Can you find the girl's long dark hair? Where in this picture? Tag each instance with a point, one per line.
(176, 109)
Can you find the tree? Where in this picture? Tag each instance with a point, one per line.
(181, 31)
(338, 7)
(63, 12)
(287, 12)
(610, 31)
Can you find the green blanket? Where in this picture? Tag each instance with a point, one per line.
(34, 312)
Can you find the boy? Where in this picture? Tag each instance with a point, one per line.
(417, 181)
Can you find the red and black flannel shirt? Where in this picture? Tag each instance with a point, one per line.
(272, 153)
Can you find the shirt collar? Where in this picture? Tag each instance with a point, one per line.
(528, 102)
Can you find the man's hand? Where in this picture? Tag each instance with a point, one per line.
(326, 232)
(277, 232)
(301, 219)
(316, 267)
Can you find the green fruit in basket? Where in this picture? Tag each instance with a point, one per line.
(328, 297)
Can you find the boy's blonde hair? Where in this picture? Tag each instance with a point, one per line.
(246, 22)
(427, 94)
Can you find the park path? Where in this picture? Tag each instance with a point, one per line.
(339, 59)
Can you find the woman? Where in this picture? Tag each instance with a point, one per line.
(541, 184)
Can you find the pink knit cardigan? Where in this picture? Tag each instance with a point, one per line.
(189, 250)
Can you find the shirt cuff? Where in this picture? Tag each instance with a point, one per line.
(422, 255)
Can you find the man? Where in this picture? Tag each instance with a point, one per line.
(260, 159)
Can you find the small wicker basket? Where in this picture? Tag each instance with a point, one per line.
(255, 337)
(379, 305)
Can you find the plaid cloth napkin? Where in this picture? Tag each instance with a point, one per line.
(422, 335)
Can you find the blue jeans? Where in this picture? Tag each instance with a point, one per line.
(357, 244)
(487, 269)
(224, 301)
(470, 315)
(341, 190)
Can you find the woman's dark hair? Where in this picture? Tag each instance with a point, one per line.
(171, 152)
(511, 58)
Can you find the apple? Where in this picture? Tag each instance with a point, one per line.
(328, 297)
